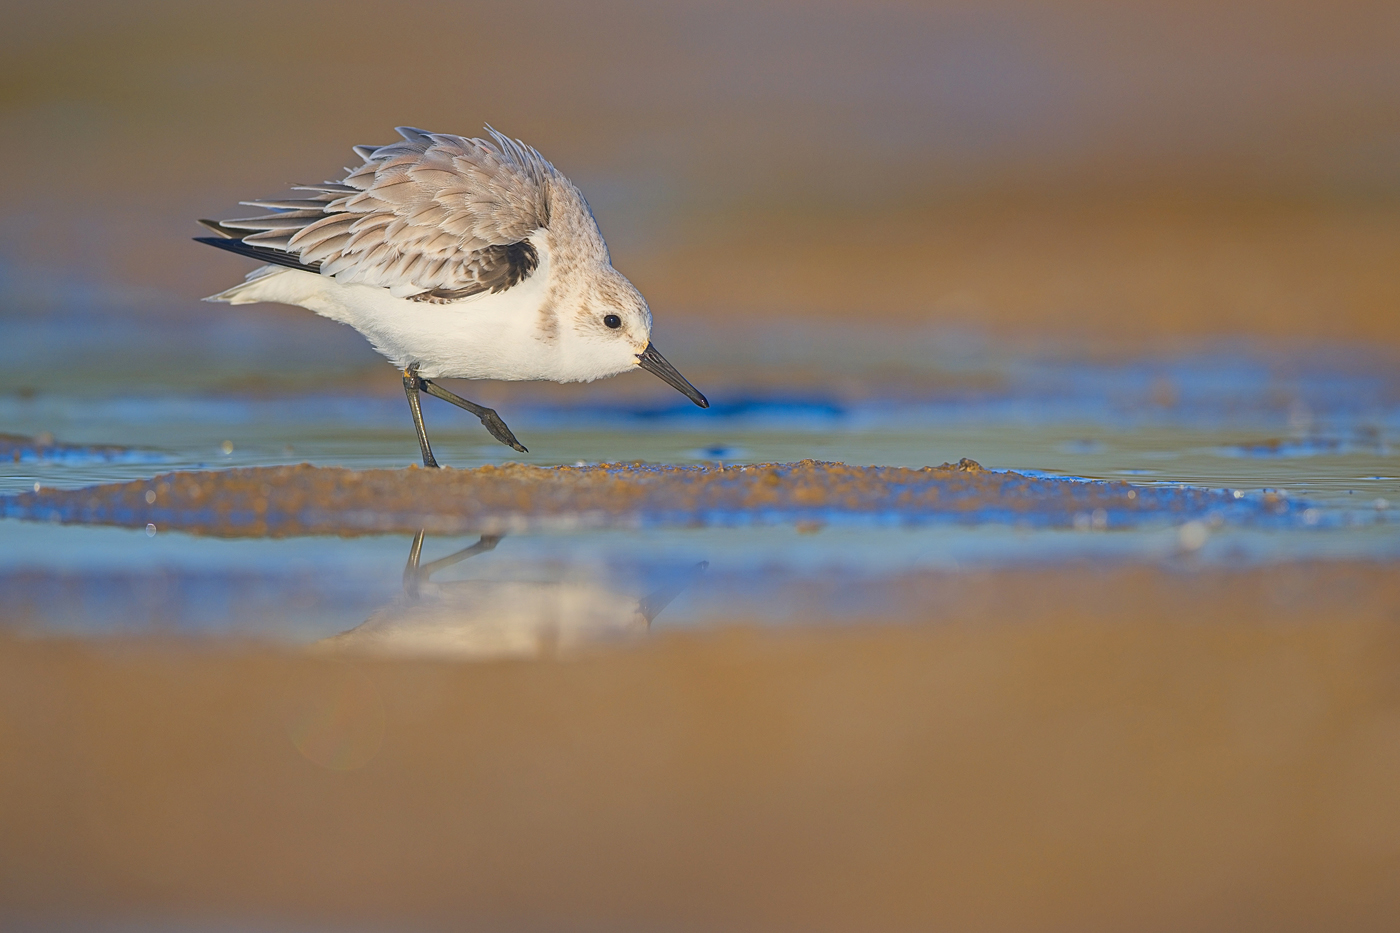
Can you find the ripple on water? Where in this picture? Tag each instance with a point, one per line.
(20, 448)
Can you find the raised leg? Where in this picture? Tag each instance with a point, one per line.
(412, 382)
(489, 419)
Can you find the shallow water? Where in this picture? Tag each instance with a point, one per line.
(1318, 437)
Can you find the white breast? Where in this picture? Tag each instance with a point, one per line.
(487, 336)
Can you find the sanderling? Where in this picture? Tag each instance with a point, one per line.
(455, 257)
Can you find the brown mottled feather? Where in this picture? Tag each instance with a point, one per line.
(434, 215)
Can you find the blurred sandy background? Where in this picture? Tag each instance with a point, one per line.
(1105, 750)
(1126, 172)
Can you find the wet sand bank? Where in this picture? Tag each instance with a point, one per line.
(278, 501)
(1050, 750)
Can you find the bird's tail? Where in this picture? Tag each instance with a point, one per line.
(250, 290)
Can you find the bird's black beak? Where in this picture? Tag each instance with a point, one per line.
(656, 364)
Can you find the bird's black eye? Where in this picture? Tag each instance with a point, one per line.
(613, 321)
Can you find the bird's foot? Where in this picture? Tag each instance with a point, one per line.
(493, 423)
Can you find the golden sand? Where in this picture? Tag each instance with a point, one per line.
(1054, 750)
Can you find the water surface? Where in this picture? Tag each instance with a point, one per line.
(1316, 437)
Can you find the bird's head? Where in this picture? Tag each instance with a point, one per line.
(612, 332)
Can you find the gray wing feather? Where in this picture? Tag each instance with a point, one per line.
(431, 213)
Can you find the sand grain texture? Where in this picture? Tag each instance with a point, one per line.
(279, 501)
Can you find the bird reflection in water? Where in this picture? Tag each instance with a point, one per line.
(503, 618)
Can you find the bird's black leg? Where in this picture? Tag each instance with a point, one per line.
(412, 382)
(489, 419)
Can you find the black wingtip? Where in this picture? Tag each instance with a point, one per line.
(261, 253)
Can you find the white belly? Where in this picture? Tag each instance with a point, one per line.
(487, 336)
